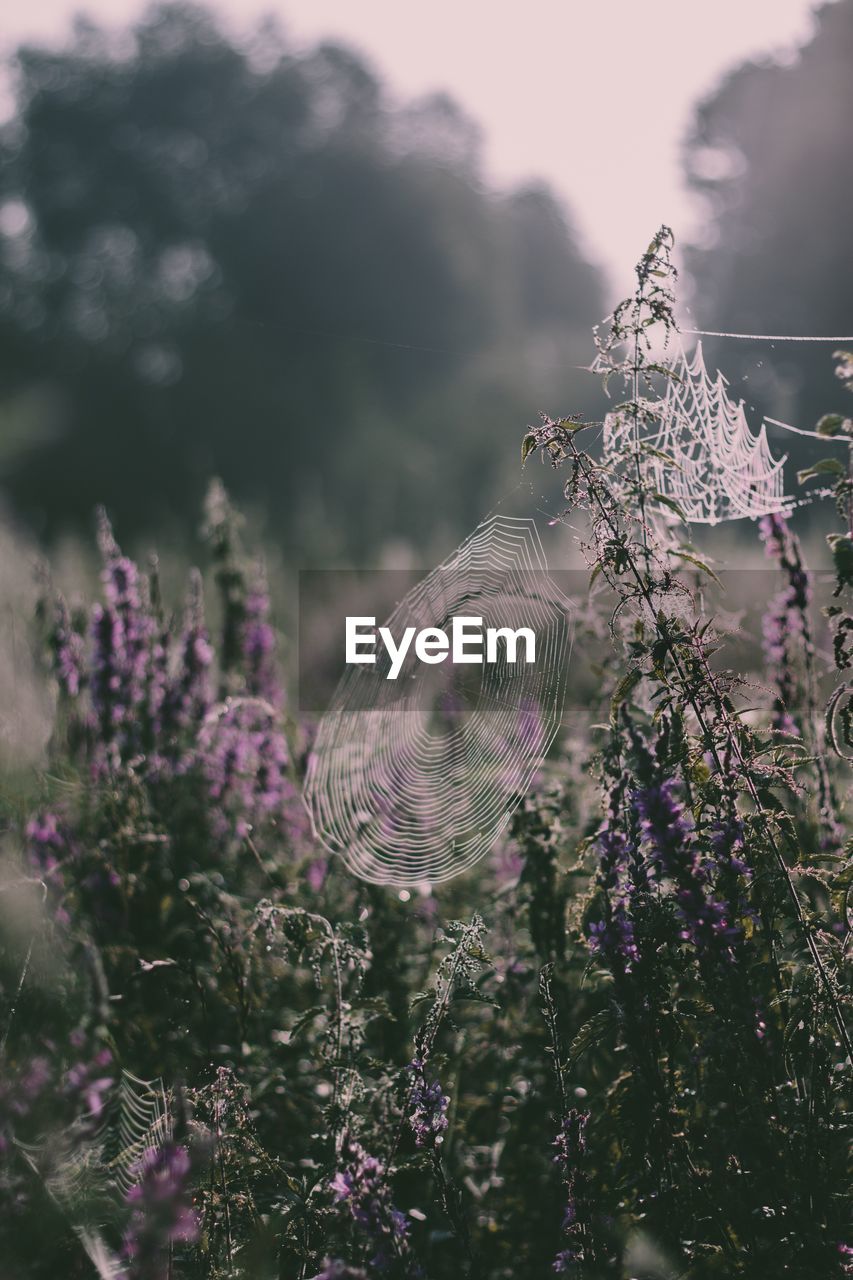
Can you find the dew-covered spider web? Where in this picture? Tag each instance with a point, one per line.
(100, 1155)
(699, 450)
(412, 780)
(143, 1123)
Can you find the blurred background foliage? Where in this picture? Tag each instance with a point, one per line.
(770, 152)
(229, 258)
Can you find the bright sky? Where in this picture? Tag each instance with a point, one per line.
(585, 94)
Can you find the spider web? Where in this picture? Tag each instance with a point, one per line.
(700, 451)
(144, 1122)
(82, 1164)
(412, 780)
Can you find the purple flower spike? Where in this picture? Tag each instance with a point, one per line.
(162, 1213)
(428, 1116)
(360, 1186)
(258, 645)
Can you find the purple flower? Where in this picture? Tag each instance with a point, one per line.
(67, 651)
(613, 937)
(258, 645)
(161, 1211)
(106, 680)
(334, 1269)
(50, 845)
(619, 875)
(571, 1140)
(245, 760)
(669, 838)
(129, 659)
(21, 1090)
(316, 874)
(781, 629)
(785, 625)
(188, 694)
(732, 874)
(48, 842)
(361, 1187)
(428, 1116)
(571, 1150)
(88, 1082)
(665, 826)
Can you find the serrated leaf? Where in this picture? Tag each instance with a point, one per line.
(304, 1018)
(590, 1034)
(671, 503)
(659, 453)
(623, 688)
(700, 564)
(528, 445)
(826, 467)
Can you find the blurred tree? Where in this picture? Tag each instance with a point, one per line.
(225, 257)
(770, 151)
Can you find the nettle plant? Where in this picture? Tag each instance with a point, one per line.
(632, 1061)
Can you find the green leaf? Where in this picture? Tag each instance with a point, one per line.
(669, 502)
(622, 690)
(659, 453)
(833, 424)
(841, 546)
(826, 467)
(591, 1034)
(304, 1018)
(700, 564)
(528, 444)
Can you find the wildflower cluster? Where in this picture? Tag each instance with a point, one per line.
(360, 1188)
(138, 688)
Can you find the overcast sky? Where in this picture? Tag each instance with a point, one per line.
(576, 92)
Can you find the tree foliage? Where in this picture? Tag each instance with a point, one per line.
(229, 257)
(770, 153)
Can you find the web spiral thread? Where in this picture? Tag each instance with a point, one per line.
(412, 780)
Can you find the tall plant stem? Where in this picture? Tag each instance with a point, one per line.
(732, 741)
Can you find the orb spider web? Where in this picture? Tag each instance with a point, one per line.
(412, 780)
